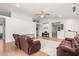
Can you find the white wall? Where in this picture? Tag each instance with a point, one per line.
(69, 24)
(20, 24)
(41, 29)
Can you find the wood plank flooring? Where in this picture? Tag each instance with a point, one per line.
(1, 47)
(11, 50)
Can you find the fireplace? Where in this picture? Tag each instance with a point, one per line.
(45, 34)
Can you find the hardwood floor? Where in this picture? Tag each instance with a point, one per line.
(1, 47)
(11, 50)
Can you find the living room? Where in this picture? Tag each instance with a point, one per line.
(43, 23)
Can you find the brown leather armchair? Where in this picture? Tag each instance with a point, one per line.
(27, 44)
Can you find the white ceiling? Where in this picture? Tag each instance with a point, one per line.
(60, 9)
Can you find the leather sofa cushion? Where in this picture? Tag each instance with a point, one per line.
(28, 39)
(75, 44)
(69, 39)
(67, 49)
(66, 43)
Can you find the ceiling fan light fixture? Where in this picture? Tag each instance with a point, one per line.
(42, 16)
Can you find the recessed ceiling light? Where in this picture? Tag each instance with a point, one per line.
(18, 5)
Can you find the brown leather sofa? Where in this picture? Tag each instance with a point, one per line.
(27, 44)
(69, 47)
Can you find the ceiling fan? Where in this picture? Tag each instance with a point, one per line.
(74, 7)
(42, 14)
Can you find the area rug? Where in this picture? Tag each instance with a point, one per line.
(49, 47)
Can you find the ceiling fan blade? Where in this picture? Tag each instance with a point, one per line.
(38, 14)
(47, 14)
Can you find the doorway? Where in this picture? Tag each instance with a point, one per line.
(55, 28)
(2, 28)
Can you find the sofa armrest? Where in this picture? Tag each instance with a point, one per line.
(68, 49)
(35, 47)
(36, 42)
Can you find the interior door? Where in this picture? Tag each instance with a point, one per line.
(55, 29)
